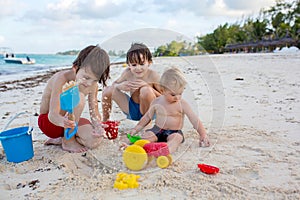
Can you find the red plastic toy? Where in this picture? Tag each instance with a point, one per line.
(112, 130)
(136, 156)
(157, 149)
(208, 169)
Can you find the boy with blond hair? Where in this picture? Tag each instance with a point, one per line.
(170, 110)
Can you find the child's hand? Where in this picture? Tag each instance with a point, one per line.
(132, 132)
(134, 85)
(99, 130)
(204, 142)
(69, 123)
(124, 86)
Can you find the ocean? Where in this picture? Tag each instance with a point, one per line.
(44, 62)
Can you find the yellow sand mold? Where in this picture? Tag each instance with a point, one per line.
(135, 157)
(125, 181)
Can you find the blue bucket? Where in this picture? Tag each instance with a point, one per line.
(17, 143)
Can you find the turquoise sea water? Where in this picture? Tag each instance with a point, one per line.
(44, 62)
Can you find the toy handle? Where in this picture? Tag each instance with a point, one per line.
(133, 138)
(69, 135)
(68, 131)
(30, 128)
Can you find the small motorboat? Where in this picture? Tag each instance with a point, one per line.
(23, 61)
(5, 52)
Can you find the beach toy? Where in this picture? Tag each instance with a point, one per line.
(125, 181)
(17, 142)
(133, 138)
(69, 99)
(141, 142)
(208, 169)
(111, 130)
(136, 156)
(159, 150)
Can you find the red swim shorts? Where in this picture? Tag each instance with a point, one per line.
(52, 130)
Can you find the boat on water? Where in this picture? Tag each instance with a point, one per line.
(9, 57)
(23, 61)
(6, 52)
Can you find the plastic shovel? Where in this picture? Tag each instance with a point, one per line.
(69, 99)
(208, 169)
(133, 138)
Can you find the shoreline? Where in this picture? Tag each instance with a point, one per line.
(33, 79)
(29, 81)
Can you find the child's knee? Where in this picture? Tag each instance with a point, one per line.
(147, 92)
(175, 137)
(148, 135)
(92, 144)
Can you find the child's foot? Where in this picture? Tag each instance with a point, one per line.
(123, 145)
(53, 141)
(72, 146)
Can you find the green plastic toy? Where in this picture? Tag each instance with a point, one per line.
(133, 138)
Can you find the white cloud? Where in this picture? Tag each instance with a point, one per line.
(59, 25)
(152, 37)
(9, 8)
(232, 8)
(2, 39)
(250, 5)
(62, 5)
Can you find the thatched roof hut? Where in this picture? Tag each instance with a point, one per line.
(270, 44)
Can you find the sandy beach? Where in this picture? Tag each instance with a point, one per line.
(249, 104)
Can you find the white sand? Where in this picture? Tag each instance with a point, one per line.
(249, 104)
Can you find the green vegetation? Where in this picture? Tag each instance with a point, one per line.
(278, 22)
(120, 53)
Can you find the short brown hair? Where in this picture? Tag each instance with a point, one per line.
(135, 52)
(97, 60)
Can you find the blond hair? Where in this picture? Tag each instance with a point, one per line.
(173, 79)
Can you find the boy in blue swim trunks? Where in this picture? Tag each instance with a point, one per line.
(170, 110)
(137, 86)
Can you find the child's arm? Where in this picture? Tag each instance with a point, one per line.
(197, 124)
(94, 111)
(157, 89)
(156, 85)
(93, 105)
(54, 114)
(144, 120)
(122, 82)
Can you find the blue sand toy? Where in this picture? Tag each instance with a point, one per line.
(68, 101)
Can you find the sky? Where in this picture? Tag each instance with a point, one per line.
(51, 26)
